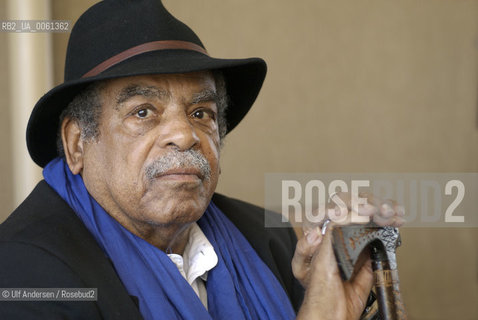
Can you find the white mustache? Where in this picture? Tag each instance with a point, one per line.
(176, 160)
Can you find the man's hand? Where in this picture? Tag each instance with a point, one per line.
(314, 265)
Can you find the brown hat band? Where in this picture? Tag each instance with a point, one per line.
(142, 48)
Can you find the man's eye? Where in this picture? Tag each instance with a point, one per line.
(199, 114)
(143, 113)
(202, 114)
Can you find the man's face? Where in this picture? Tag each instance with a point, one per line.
(156, 160)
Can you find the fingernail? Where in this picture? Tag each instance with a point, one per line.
(387, 211)
(312, 236)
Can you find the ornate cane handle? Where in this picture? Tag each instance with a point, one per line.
(349, 242)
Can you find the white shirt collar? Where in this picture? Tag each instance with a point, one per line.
(198, 258)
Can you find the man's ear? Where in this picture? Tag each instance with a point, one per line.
(72, 145)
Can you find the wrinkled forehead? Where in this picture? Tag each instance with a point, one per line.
(160, 85)
(186, 89)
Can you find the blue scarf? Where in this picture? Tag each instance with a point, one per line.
(241, 286)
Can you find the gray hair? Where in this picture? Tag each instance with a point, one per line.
(85, 109)
(179, 159)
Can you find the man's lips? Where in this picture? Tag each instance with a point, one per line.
(182, 174)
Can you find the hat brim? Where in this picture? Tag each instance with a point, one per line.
(244, 79)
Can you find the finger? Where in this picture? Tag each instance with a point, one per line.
(379, 207)
(394, 221)
(360, 285)
(367, 209)
(352, 205)
(306, 246)
(339, 215)
(340, 199)
(389, 213)
(387, 208)
(371, 199)
(353, 217)
(359, 214)
(383, 221)
(400, 210)
(382, 212)
(305, 249)
(325, 294)
(324, 261)
(362, 210)
(313, 237)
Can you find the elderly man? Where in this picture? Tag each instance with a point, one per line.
(130, 146)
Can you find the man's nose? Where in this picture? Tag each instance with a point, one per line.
(177, 131)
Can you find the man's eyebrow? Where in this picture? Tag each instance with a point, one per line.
(205, 95)
(140, 90)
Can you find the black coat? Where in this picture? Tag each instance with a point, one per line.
(43, 244)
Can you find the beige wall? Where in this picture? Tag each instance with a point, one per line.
(353, 86)
(6, 177)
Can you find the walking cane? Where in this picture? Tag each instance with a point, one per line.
(349, 242)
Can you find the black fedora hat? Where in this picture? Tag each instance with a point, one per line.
(121, 38)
